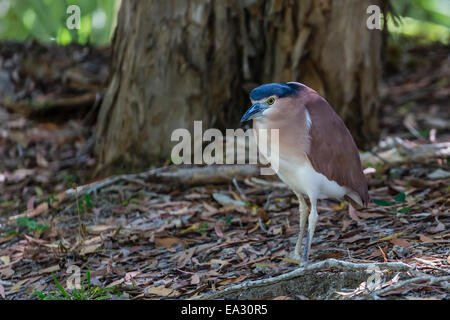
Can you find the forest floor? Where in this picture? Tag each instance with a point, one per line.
(150, 239)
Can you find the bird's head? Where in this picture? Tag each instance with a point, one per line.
(267, 97)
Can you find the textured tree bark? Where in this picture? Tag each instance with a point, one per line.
(177, 61)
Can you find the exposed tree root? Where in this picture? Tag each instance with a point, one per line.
(312, 280)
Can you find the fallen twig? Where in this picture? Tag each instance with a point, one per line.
(444, 281)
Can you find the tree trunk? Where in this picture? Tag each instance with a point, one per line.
(177, 61)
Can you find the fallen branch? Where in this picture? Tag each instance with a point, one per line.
(204, 175)
(184, 176)
(45, 105)
(405, 153)
(237, 291)
(428, 279)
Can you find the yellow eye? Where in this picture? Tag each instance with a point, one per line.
(271, 100)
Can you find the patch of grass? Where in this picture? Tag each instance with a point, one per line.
(87, 291)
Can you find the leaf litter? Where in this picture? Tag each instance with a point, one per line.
(156, 241)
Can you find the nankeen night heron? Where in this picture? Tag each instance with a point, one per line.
(317, 156)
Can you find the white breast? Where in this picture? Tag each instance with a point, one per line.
(301, 177)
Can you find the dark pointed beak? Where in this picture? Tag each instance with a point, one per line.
(254, 111)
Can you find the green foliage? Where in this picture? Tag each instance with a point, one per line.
(399, 198)
(404, 210)
(428, 20)
(51, 199)
(227, 220)
(31, 225)
(382, 202)
(86, 292)
(202, 229)
(85, 203)
(434, 11)
(45, 20)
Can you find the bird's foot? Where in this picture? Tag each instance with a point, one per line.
(294, 255)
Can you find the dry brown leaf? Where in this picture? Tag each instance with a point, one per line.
(210, 210)
(92, 240)
(185, 257)
(355, 238)
(49, 270)
(6, 239)
(130, 275)
(345, 224)
(43, 207)
(90, 249)
(99, 228)
(218, 261)
(17, 286)
(426, 239)
(191, 228)
(218, 228)
(115, 283)
(30, 203)
(7, 273)
(440, 227)
(31, 239)
(5, 259)
(401, 242)
(41, 161)
(234, 280)
(388, 238)
(167, 242)
(195, 279)
(425, 261)
(366, 215)
(353, 214)
(162, 291)
(283, 298)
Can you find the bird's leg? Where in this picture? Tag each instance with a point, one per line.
(311, 227)
(304, 212)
